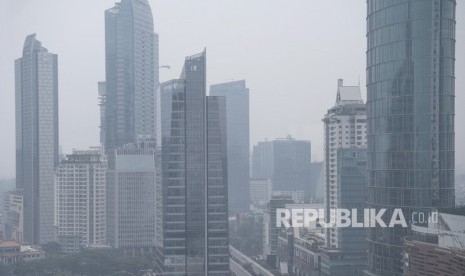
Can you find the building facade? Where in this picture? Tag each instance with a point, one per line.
(131, 54)
(237, 121)
(345, 128)
(131, 196)
(260, 191)
(192, 138)
(37, 149)
(13, 217)
(287, 162)
(80, 200)
(410, 110)
(437, 248)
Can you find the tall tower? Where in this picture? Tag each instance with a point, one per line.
(237, 117)
(131, 49)
(37, 138)
(345, 164)
(410, 82)
(194, 174)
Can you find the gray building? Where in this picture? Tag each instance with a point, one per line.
(410, 84)
(131, 54)
(346, 254)
(345, 128)
(130, 196)
(36, 138)
(237, 117)
(287, 162)
(192, 137)
(80, 200)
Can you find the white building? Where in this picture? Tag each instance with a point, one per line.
(80, 198)
(131, 196)
(345, 128)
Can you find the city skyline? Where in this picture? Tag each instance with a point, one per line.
(302, 119)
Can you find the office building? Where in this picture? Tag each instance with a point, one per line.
(131, 196)
(410, 116)
(237, 124)
(36, 138)
(80, 198)
(192, 137)
(131, 55)
(345, 165)
(287, 162)
(345, 253)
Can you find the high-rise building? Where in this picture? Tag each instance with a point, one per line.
(410, 110)
(131, 196)
(80, 198)
(237, 121)
(131, 49)
(287, 162)
(192, 137)
(36, 138)
(102, 95)
(345, 253)
(345, 128)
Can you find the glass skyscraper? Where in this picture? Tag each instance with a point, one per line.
(37, 138)
(192, 137)
(410, 82)
(131, 53)
(237, 117)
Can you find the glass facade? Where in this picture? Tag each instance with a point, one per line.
(237, 103)
(131, 54)
(410, 84)
(192, 137)
(37, 138)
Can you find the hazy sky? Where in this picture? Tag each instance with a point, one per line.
(291, 54)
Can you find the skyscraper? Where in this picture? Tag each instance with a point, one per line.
(36, 138)
(80, 196)
(287, 162)
(131, 196)
(192, 137)
(410, 110)
(237, 117)
(131, 49)
(345, 128)
(345, 164)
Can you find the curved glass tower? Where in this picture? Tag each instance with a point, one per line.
(410, 83)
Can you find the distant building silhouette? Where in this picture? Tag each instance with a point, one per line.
(237, 117)
(287, 162)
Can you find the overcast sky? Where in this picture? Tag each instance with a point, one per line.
(291, 54)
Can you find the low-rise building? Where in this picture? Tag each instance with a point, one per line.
(437, 248)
